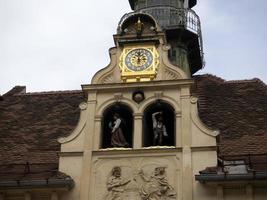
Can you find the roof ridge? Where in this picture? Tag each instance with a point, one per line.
(245, 81)
(211, 76)
(50, 92)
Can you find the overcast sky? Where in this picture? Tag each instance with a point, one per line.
(59, 44)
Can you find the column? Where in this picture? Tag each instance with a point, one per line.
(186, 144)
(219, 192)
(88, 145)
(27, 196)
(137, 132)
(54, 196)
(97, 134)
(249, 192)
(178, 129)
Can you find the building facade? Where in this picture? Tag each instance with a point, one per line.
(147, 130)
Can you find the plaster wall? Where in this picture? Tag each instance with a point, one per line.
(71, 164)
(90, 166)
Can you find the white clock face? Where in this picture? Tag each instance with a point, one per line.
(139, 59)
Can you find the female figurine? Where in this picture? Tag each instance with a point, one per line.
(117, 137)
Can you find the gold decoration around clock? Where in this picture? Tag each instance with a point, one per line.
(139, 63)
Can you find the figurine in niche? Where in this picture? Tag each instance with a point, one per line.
(117, 137)
(159, 129)
(115, 185)
(157, 186)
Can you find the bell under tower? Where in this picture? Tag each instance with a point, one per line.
(182, 29)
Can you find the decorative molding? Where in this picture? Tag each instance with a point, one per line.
(171, 75)
(113, 51)
(118, 97)
(138, 116)
(204, 148)
(193, 100)
(145, 151)
(109, 78)
(79, 128)
(98, 118)
(106, 75)
(158, 94)
(198, 123)
(83, 106)
(178, 114)
(71, 154)
(166, 47)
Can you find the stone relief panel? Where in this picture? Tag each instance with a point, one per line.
(156, 185)
(136, 178)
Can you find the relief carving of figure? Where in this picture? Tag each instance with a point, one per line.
(115, 185)
(159, 128)
(117, 137)
(156, 187)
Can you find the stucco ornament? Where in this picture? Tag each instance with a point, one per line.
(116, 185)
(156, 186)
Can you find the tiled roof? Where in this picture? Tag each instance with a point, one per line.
(30, 124)
(238, 109)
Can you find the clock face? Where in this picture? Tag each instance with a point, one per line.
(139, 59)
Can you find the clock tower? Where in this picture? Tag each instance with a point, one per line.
(144, 34)
(139, 135)
(182, 28)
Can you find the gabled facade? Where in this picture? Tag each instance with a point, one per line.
(147, 129)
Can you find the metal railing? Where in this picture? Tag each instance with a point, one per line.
(168, 17)
(150, 3)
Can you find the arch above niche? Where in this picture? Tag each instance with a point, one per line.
(122, 137)
(159, 95)
(117, 98)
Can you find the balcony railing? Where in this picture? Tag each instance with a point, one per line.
(169, 17)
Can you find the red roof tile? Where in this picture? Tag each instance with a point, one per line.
(30, 125)
(238, 109)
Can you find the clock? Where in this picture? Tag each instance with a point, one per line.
(139, 63)
(139, 59)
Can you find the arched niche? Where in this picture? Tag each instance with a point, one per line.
(126, 115)
(168, 115)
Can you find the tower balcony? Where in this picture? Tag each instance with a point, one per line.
(178, 23)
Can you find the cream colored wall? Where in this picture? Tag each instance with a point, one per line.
(194, 144)
(255, 190)
(201, 159)
(71, 164)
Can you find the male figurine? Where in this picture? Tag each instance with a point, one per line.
(159, 128)
(117, 137)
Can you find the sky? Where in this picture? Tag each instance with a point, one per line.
(49, 45)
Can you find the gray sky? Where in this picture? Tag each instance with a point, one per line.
(59, 44)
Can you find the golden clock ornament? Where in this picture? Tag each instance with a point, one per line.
(139, 63)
